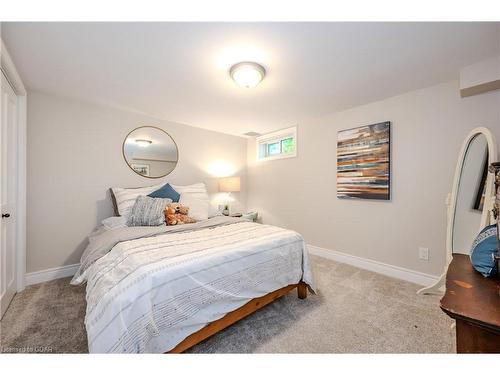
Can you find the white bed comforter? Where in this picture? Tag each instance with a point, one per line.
(146, 295)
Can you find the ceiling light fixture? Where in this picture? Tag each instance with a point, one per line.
(247, 74)
(143, 142)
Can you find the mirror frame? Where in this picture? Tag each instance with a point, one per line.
(451, 201)
(489, 199)
(154, 127)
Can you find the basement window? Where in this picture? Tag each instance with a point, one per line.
(277, 145)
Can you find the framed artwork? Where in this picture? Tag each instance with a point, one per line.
(142, 169)
(364, 162)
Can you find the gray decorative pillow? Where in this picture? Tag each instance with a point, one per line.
(148, 211)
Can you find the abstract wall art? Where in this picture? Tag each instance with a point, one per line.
(363, 162)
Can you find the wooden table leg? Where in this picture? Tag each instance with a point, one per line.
(302, 290)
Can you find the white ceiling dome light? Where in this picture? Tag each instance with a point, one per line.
(247, 74)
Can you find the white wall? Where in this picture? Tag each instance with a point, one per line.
(75, 156)
(482, 72)
(428, 127)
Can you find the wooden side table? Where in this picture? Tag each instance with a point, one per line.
(474, 302)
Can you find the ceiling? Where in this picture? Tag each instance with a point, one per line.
(179, 71)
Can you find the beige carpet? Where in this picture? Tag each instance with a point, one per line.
(356, 311)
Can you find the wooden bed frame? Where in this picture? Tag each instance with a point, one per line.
(238, 314)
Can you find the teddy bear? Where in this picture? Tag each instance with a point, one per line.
(176, 214)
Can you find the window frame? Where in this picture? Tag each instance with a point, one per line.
(277, 136)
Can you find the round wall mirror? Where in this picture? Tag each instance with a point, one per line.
(150, 152)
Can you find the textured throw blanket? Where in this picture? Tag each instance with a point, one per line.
(149, 290)
(102, 241)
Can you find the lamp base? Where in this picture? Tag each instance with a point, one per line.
(224, 209)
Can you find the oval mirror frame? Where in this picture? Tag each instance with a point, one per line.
(486, 215)
(156, 129)
(451, 201)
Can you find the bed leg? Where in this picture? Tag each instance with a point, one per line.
(302, 290)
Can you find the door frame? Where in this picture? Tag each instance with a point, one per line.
(9, 69)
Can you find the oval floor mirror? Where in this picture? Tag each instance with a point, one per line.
(470, 202)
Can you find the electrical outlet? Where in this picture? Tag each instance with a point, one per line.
(423, 253)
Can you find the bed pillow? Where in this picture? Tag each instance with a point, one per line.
(484, 247)
(114, 222)
(198, 190)
(198, 208)
(166, 191)
(124, 198)
(148, 211)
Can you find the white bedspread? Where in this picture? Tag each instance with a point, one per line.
(146, 295)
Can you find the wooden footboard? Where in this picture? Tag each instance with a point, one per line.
(238, 314)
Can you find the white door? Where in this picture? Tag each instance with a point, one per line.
(8, 194)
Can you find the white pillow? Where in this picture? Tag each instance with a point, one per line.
(198, 190)
(198, 208)
(114, 222)
(125, 197)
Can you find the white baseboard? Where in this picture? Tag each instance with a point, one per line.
(51, 274)
(406, 274)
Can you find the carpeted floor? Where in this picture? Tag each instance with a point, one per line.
(355, 311)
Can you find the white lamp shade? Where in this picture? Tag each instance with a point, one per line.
(229, 184)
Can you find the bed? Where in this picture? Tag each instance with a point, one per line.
(164, 289)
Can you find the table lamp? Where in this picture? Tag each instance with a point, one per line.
(229, 185)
